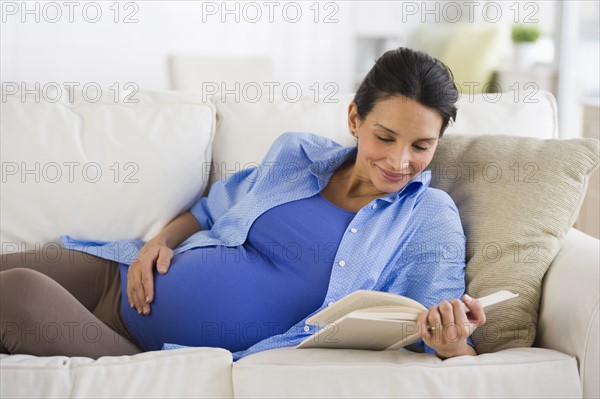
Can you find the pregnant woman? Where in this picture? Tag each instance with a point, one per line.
(245, 266)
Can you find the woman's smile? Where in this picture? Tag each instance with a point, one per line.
(394, 177)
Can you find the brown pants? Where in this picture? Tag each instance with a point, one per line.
(62, 302)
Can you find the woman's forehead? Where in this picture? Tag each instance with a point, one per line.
(399, 113)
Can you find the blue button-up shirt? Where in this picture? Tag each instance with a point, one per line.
(409, 242)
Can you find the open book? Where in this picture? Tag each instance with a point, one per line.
(374, 320)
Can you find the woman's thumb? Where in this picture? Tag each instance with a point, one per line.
(476, 314)
(163, 262)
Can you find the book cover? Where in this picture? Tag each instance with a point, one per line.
(374, 320)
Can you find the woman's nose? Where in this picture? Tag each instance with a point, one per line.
(400, 160)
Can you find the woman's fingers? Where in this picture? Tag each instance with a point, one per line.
(446, 326)
(441, 322)
(131, 271)
(128, 289)
(140, 275)
(130, 286)
(138, 285)
(165, 254)
(434, 322)
(137, 288)
(461, 327)
(446, 322)
(476, 313)
(147, 288)
(422, 322)
(449, 329)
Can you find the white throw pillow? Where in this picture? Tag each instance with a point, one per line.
(106, 170)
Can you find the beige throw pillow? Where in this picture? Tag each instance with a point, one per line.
(517, 198)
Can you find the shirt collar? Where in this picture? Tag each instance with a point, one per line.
(325, 163)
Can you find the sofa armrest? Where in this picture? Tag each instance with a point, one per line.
(568, 319)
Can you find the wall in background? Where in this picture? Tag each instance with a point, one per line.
(309, 43)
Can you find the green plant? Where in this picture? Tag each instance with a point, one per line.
(525, 33)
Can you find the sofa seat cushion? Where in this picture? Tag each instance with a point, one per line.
(329, 373)
(190, 372)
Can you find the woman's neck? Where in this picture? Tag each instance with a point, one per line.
(353, 184)
(348, 190)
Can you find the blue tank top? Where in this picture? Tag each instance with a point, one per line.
(234, 297)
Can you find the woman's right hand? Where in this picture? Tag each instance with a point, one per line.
(140, 275)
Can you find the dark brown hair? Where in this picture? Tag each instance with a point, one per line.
(412, 74)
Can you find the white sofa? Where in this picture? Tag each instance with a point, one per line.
(165, 146)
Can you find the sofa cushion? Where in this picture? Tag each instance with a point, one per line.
(527, 113)
(517, 198)
(247, 129)
(190, 373)
(106, 170)
(337, 373)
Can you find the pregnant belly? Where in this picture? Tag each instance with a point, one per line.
(220, 297)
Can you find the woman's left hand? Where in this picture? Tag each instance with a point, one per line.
(446, 326)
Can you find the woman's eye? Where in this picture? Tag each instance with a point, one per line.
(385, 140)
(419, 148)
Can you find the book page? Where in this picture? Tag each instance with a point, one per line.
(361, 299)
(400, 313)
(496, 297)
(353, 333)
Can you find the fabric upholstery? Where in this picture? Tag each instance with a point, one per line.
(342, 373)
(184, 373)
(81, 168)
(517, 198)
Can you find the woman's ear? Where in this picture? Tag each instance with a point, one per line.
(353, 118)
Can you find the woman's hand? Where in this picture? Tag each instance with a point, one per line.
(446, 326)
(140, 275)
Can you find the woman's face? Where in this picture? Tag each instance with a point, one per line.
(396, 141)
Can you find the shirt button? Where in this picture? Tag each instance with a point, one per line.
(374, 206)
(306, 328)
(342, 263)
(353, 230)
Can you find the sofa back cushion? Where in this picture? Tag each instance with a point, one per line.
(247, 129)
(102, 169)
(526, 113)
